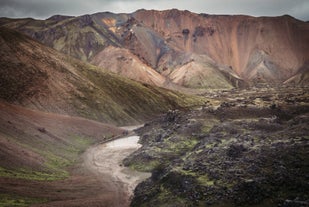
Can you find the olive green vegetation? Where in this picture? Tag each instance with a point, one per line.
(114, 99)
(58, 157)
(204, 160)
(167, 151)
(214, 81)
(32, 175)
(18, 201)
(88, 91)
(145, 166)
(78, 37)
(173, 146)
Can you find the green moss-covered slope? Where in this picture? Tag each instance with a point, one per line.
(38, 77)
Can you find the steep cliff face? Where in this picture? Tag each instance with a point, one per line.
(263, 49)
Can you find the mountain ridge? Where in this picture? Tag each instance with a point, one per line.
(258, 49)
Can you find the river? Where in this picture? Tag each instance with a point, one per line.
(105, 161)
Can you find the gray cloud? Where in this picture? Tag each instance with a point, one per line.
(43, 9)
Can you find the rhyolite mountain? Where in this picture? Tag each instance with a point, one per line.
(38, 77)
(181, 47)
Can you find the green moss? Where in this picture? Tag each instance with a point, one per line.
(180, 146)
(58, 157)
(119, 100)
(57, 164)
(215, 80)
(14, 201)
(54, 164)
(82, 142)
(168, 198)
(204, 180)
(208, 125)
(146, 166)
(32, 175)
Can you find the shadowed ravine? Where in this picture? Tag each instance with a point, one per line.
(105, 161)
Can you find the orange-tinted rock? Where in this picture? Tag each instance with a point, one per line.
(257, 49)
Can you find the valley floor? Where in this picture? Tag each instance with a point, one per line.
(99, 179)
(241, 148)
(105, 162)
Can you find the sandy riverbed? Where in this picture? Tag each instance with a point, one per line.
(105, 161)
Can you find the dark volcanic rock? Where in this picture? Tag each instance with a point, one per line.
(253, 157)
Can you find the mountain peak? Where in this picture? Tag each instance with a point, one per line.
(58, 17)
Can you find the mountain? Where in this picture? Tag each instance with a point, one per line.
(273, 48)
(185, 48)
(38, 77)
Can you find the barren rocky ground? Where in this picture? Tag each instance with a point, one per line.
(244, 148)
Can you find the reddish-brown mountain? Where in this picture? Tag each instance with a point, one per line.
(187, 48)
(273, 48)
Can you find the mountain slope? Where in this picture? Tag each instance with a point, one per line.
(37, 152)
(263, 49)
(200, 71)
(301, 78)
(32, 141)
(234, 40)
(38, 77)
(122, 62)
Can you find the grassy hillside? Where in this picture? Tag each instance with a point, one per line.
(38, 77)
(37, 151)
(40, 145)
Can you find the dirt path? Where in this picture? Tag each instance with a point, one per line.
(104, 160)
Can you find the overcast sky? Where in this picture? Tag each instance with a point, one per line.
(43, 9)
